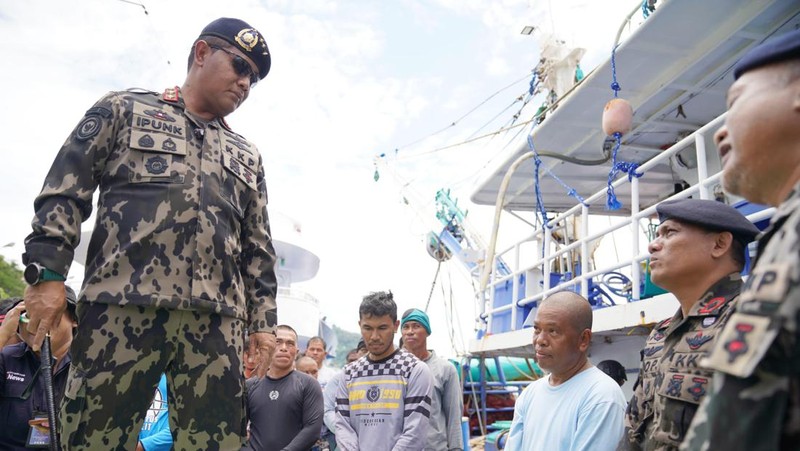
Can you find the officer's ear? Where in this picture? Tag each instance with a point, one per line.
(201, 51)
(796, 96)
(722, 244)
(793, 69)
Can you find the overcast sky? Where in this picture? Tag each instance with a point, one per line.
(350, 79)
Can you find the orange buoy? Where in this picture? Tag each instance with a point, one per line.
(617, 117)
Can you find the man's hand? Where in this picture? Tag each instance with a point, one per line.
(262, 345)
(45, 302)
(11, 323)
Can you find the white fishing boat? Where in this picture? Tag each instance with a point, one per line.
(675, 70)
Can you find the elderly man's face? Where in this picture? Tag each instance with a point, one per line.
(680, 252)
(559, 346)
(757, 142)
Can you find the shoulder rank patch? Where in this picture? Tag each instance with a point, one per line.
(171, 94)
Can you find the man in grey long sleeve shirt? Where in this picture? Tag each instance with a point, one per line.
(447, 402)
(329, 396)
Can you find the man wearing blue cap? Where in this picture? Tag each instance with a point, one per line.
(180, 261)
(755, 401)
(697, 255)
(447, 401)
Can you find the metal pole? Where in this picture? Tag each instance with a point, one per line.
(47, 372)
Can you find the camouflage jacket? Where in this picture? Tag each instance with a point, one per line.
(671, 381)
(755, 401)
(181, 214)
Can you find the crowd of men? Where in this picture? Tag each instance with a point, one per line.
(178, 303)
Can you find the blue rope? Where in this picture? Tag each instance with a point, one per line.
(616, 167)
(614, 85)
(537, 186)
(539, 201)
(533, 83)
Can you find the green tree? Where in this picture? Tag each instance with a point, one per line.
(11, 283)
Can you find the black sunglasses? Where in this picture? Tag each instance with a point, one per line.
(240, 66)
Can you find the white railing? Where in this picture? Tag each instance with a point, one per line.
(633, 261)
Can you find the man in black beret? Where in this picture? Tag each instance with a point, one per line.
(181, 260)
(697, 255)
(755, 402)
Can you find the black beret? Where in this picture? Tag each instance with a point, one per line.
(782, 48)
(245, 38)
(708, 214)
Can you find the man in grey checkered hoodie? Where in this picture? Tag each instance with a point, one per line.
(384, 399)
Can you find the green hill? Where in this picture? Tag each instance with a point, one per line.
(347, 341)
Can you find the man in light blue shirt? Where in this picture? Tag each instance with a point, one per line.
(576, 406)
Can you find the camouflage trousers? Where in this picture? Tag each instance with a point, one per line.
(118, 356)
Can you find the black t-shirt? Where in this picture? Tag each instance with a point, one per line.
(285, 413)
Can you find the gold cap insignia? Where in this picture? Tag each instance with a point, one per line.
(247, 38)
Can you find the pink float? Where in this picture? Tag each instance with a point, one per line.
(617, 117)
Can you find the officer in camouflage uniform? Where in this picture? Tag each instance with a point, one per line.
(180, 261)
(697, 255)
(755, 400)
